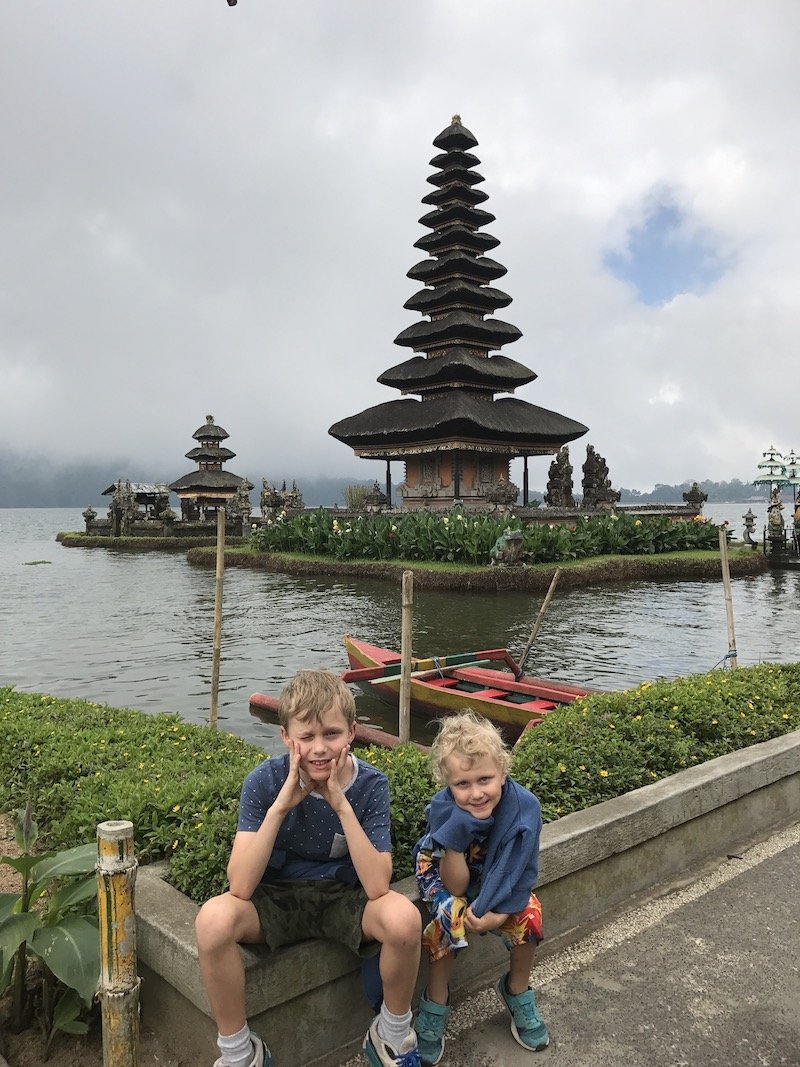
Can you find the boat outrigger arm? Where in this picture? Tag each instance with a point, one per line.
(433, 665)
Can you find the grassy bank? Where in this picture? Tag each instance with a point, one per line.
(695, 565)
(81, 763)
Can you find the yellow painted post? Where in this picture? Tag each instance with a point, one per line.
(119, 982)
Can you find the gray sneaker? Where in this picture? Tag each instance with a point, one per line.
(527, 1025)
(261, 1054)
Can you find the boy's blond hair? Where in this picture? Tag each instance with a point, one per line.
(470, 737)
(310, 694)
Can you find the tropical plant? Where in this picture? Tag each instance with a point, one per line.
(355, 496)
(49, 923)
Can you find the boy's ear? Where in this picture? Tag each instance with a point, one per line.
(352, 732)
(284, 737)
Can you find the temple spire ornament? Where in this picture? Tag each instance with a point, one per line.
(457, 439)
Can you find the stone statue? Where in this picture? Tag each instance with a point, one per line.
(501, 492)
(89, 515)
(559, 482)
(597, 491)
(124, 508)
(376, 500)
(695, 498)
(293, 499)
(774, 517)
(507, 550)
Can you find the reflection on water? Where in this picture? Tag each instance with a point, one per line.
(136, 630)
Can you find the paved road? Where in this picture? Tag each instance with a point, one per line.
(707, 975)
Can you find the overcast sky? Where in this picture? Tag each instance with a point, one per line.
(208, 209)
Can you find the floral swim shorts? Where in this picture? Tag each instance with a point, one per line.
(446, 933)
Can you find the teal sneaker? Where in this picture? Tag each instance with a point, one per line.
(430, 1027)
(527, 1025)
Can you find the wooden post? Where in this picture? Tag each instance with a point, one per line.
(404, 721)
(212, 719)
(119, 982)
(726, 584)
(539, 618)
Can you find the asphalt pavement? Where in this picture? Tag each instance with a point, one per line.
(707, 974)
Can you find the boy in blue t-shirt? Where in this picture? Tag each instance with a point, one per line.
(476, 866)
(312, 858)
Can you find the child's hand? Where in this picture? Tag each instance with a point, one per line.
(292, 790)
(490, 920)
(340, 775)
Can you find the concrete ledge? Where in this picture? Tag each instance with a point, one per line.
(307, 1000)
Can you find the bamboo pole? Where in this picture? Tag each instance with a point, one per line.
(726, 584)
(539, 619)
(212, 719)
(404, 721)
(119, 982)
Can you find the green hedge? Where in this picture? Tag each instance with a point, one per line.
(81, 763)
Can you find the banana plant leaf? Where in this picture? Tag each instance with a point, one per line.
(72, 952)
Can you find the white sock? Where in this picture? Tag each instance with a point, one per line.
(393, 1028)
(236, 1049)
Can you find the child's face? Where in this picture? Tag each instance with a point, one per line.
(476, 785)
(320, 742)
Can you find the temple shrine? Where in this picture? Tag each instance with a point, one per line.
(209, 487)
(457, 441)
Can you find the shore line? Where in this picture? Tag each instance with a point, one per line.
(574, 574)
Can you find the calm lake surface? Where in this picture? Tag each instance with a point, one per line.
(136, 630)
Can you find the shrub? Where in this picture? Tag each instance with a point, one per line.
(80, 763)
(469, 539)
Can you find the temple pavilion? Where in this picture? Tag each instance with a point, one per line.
(457, 441)
(203, 490)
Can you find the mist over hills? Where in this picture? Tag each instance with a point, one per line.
(38, 483)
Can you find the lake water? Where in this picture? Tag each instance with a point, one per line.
(135, 630)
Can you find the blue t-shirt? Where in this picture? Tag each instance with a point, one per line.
(311, 843)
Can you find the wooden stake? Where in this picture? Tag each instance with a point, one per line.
(119, 982)
(212, 719)
(404, 722)
(539, 619)
(726, 584)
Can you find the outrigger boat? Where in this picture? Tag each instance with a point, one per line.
(445, 685)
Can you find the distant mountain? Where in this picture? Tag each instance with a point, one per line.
(39, 483)
(734, 490)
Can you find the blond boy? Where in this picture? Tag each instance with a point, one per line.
(312, 858)
(476, 866)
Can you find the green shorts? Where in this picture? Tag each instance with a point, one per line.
(297, 911)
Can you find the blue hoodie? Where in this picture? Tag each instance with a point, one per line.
(511, 867)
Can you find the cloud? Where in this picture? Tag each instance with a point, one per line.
(212, 209)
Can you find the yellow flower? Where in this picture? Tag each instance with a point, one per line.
(604, 774)
(561, 767)
(177, 807)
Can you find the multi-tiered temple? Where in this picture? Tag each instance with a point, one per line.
(209, 487)
(457, 441)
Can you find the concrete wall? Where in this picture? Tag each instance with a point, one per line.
(306, 1000)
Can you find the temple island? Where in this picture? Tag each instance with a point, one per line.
(457, 425)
